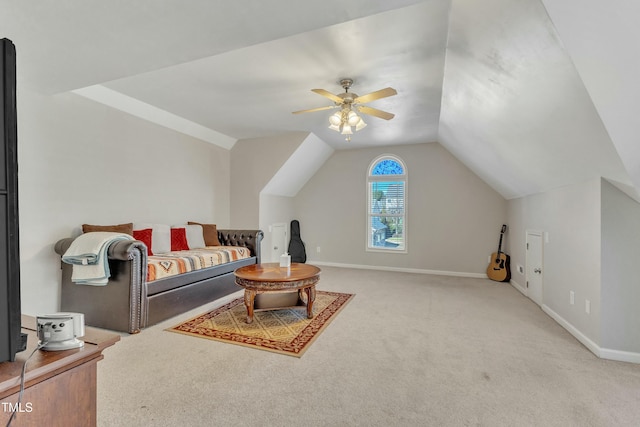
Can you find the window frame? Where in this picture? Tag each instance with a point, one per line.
(391, 178)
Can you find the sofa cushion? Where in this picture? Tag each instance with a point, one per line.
(210, 233)
(119, 228)
(179, 262)
(145, 236)
(195, 236)
(179, 239)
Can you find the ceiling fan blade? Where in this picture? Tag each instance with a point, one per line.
(315, 109)
(375, 112)
(382, 93)
(327, 94)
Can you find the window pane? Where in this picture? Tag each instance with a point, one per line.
(387, 197)
(387, 167)
(386, 232)
(386, 188)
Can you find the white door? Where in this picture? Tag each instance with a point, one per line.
(279, 244)
(535, 272)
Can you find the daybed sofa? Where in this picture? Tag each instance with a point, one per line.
(129, 302)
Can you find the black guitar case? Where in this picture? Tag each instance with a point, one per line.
(296, 245)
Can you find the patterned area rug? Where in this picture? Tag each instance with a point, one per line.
(285, 331)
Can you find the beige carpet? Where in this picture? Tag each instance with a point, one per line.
(287, 332)
(409, 350)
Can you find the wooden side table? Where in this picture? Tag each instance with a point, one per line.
(271, 278)
(60, 386)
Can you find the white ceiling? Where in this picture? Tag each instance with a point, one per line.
(492, 81)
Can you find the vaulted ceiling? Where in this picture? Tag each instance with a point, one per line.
(529, 94)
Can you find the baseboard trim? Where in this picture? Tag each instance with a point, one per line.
(620, 356)
(603, 353)
(398, 269)
(586, 341)
(519, 287)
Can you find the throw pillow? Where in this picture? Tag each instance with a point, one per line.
(179, 239)
(145, 237)
(195, 236)
(120, 228)
(160, 237)
(209, 232)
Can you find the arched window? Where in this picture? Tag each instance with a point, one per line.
(387, 200)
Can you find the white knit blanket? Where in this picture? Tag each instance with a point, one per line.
(88, 255)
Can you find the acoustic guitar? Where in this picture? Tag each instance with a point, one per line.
(499, 269)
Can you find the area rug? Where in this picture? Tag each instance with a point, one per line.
(285, 331)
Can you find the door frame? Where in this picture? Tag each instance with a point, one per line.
(529, 259)
(278, 248)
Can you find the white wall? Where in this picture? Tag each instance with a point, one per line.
(276, 203)
(253, 163)
(453, 218)
(620, 270)
(571, 217)
(81, 162)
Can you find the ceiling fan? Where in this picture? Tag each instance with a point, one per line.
(350, 104)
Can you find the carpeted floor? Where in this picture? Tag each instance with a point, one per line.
(409, 350)
(287, 331)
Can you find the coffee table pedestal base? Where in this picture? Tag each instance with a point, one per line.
(271, 278)
(309, 295)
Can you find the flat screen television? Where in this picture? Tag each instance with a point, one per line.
(12, 340)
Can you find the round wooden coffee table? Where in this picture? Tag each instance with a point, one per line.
(270, 277)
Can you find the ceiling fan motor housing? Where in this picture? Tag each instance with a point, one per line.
(347, 98)
(346, 83)
(350, 103)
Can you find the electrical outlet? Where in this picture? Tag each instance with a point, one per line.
(318, 249)
(587, 306)
(520, 269)
(572, 297)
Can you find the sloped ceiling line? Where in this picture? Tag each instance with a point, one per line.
(602, 40)
(526, 103)
(514, 108)
(305, 161)
(155, 115)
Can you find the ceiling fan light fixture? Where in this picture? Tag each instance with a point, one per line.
(353, 118)
(335, 119)
(347, 120)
